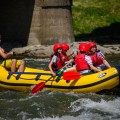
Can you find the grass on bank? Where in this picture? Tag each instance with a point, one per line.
(91, 14)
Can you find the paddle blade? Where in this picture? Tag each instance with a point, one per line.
(71, 75)
(38, 87)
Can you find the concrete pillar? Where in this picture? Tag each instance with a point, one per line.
(51, 22)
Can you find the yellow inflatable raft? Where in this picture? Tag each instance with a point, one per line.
(96, 82)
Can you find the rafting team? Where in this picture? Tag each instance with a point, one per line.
(86, 60)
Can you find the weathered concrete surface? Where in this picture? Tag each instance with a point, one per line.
(28, 22)
(41, 51)
(51, 22)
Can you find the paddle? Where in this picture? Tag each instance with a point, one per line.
(71, 75)
(38, 87)
(41, 85)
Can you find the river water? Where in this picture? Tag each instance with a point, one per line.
(49, 105)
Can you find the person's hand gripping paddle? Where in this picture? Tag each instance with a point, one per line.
(41, 85)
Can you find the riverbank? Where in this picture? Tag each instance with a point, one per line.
(44, 51)
(90, 16)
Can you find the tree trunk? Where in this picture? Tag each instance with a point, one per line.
(51, 22)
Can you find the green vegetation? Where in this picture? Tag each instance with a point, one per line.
(91, 14)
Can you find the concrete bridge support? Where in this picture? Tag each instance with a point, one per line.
(33, 22)
(51, 22)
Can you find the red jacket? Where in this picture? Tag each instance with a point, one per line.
(65, 56)
(96, 60)
(81, 62)
(61, 58)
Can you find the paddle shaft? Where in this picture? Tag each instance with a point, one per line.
(40, 86)
(60, 72)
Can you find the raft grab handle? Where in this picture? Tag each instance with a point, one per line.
(32, 73)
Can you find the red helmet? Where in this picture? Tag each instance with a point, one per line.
(83, 47)
(56, 46)
(91, 44)
(65, 46)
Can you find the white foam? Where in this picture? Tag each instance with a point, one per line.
(112, 106)
(60, 118)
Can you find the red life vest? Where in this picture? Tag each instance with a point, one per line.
(81, 62)
(96, 60)
(51, 56)
(65, 56)
(60, 62)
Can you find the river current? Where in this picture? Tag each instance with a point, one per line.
(49, 105)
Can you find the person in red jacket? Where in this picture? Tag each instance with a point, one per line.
(65, 47)
(57, 59)
(98, 61)
(81, 60)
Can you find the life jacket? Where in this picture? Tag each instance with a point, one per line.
(96, 60)
(51, 56)
(65, 56)
(81, 62)
(60, 61)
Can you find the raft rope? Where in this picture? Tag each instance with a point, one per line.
(31, 73)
